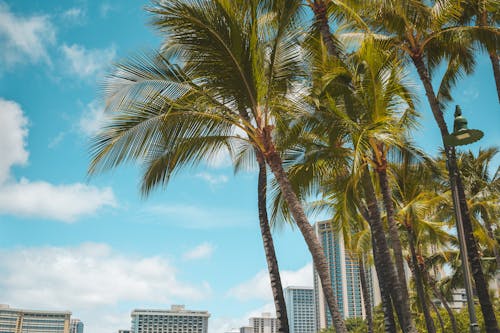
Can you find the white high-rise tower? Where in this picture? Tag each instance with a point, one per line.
(344, 272)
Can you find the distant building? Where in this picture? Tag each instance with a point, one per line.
(458, 299)
(124, 331)
(246, 329)
(175, 320)
(33, 321)
(300, 309)
(264, 324)
(346, 284)
(76, 326)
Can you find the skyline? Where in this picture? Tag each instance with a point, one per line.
(194, 243)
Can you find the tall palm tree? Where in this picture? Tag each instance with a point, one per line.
(267, 239)
(426, 34)
(483, 192)
(240, 62)
(416, 197)
(355, 104)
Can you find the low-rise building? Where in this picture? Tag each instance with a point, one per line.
(33, 321)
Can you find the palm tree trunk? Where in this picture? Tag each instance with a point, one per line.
(438, 315)
(472, 250)
(385, 268)
(393, 228)
(384, 285)
(320, 263)
(272, 262)
(496, 69)
(419, 283)
(443, 301)
(320, 13)
(366, 294)
(481, 284)
(491, 235)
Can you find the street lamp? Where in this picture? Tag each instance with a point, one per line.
(463, 136)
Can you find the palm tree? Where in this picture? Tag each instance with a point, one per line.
(267, 239)
(416, 197)
(426, 35)
(240, 62)
(483, 191)
(355, 106)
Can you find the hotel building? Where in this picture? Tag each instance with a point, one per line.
(300, 309)
(33, 321)
(346, 282)
(76, 326)
(264, 324)
(175, 320)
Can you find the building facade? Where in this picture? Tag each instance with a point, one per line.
(175, 320)
(33, 321)
(76, 326)
(301, 310)
(263, 324)
(345, 275)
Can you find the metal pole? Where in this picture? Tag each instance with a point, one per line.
(474, 327)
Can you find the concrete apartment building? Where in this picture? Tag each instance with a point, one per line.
(33, 321)
(346, 284)
(175, 320)
(263, 324)
(301, 310)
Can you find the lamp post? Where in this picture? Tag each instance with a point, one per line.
(463, 136)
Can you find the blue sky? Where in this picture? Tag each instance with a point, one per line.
(94, 246)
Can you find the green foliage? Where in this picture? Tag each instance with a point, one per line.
(354, 325)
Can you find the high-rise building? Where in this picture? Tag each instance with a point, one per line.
(264, 324)
(76, 326)
(33, 321)
(346, 282)
(300, 309)
(175, 320)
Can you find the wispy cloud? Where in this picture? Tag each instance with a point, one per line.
(55, 141)
(92, 118)
(198, 217)
(202, 251)
(24, 39)
(212, 179)
(87, 63)
(75, 15)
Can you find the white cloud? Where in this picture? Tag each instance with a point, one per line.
(197, 217)
(74, 15)
(212, 179)
(202, 251)
(259, 286)
(13, 133)
(92, 119)
(65, 203)
(27, 198)
(87, 63)
(24, 38)
(91, 280)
